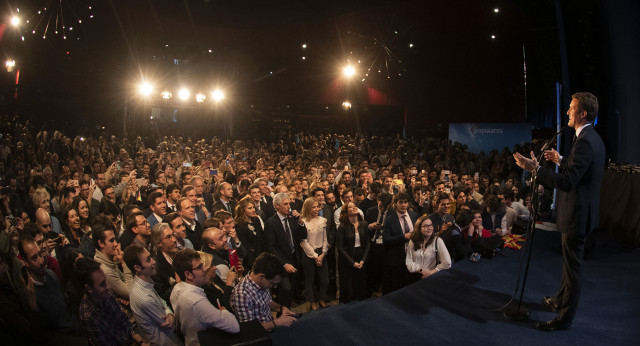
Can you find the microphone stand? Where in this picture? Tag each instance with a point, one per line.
(519, 312)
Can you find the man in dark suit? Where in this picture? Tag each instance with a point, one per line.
(375, 217)
(578, 183)
(193, 228)
(283, 233)
(397, 228)
(166, 247)
(223, 199)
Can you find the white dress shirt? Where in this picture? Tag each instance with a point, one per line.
(425, 259)
(195, 313)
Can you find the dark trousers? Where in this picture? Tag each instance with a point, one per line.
(332, 289)
(315, 275)
(569, 294)
(376, 267)
(353, 282)
(288, 285)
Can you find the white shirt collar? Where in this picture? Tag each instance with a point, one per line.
(579, 130)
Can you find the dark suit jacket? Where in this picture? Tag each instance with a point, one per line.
(394, 237)
(347, 239)
(267, 209)
(208, 200)
(194, 236)
(219, 206)
(578, 183)
(164, 271)
(327, 213)
(276, 238)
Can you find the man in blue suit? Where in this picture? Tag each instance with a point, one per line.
(158, 206)
(578, 183)
(397, 228)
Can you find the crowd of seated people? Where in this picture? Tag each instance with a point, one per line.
(118, 241)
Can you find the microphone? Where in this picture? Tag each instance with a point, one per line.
(544, 147)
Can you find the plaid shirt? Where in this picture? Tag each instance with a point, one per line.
(105, 324)
(251, 302)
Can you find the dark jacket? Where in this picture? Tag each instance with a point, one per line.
(346, 239)
(394, 239)
(276, 238)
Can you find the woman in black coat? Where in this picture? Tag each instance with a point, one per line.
(249, 230)
(353, 245)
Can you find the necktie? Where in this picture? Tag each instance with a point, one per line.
(287, 230)
(228, 207)
(405, 224)
(575, 138)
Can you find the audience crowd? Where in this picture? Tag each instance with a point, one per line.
(119, 241)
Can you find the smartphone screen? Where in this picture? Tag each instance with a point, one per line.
(233, 258)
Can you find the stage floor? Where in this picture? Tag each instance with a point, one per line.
(461, 305)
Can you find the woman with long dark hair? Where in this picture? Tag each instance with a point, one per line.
(353, 246)
(426, 253)
(249, 230)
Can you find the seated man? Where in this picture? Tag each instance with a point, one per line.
(216, 243)
(190, 303)
(155, 319)
(251, 299)
(51, 301)
(164, 244)
(100, 313)
(108, 255)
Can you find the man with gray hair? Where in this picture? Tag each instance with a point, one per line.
(283, 233)
(165, 247)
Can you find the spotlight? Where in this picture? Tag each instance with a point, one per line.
(166, 94)
(183, 94)
(145, 89)
(346, 105)
(349, 71)
(496, 10)
(200, 97)
(217, 95)
(15, 21)
(10, 64)
(304, 45)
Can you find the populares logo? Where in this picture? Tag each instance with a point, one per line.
(485, 130)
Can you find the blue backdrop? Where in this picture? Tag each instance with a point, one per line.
(488, 136)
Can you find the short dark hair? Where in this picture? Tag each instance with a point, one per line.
(24, 239)
(464, 218)
(131, 258)
(401, 196)
(152, 197)
(182, 262)
(97, 233)
(375, 188)
(587, 102)
(385, 199)
(345, 192)
(84, 267)
(170, 217)
(171, 187)
(442, 196)
(131, 221)
(316, 190)
(267, 264)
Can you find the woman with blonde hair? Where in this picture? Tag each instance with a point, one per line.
(218, 292)
(426, 252)
(315, 248)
